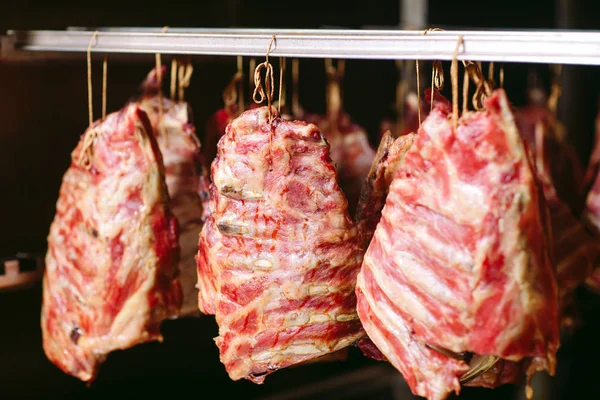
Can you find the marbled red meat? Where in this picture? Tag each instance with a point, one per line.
(565, 170)
(112, 257)
(591, 213)
(185, 175)
(594, 162)
(575, 251)
(388, 159)
(215, 129)
(279, 254)
(591, 217)
(459, 262)
(350, 151)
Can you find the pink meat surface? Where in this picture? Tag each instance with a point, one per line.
(279, 254)
(565, 168)
(185, 176)
(459, 260)
(575, 251)
(390, 155)
(113, 250)
(591, 217)
(591, 213)
(350, 151)
(389, 158)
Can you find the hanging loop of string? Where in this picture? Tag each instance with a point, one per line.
(296, 109)
(104, 85)
(230, 94)
(555, 90)
(185, 76)
(483, 88)
(418, 92)
(454, 79)
(251, 69)
(159, 84)
(89, 77)
(437, 75)
(465, 93)
(491, 80)
(181, 75)
(501, 77)
(265, 93)
(334, 91)
(340, 72)
(86, 153)
(281, 86)
(240, 70)
(465, 107)
(437, 79)
(174, 67)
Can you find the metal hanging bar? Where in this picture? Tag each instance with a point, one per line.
(560, 47)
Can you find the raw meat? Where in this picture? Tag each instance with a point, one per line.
(350, 151)
(591, 217)
(186, 178)
(215, 129)
(592, 169)
(279, 254)
(388, 159)
(565, 170)
(591, 214)
(458, 265)
(575, 251)
(112, 257)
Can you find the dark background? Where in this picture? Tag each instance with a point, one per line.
(44, 110)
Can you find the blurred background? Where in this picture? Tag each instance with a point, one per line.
(43, 111)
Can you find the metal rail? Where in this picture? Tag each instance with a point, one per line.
(560, 47)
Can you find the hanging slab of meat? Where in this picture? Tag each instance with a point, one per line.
(388, 158)
(350, 151)
(566, 170)
(215, 129)
(186, 178)
(591, 217)
(591, 214)
(458, 267)
(112, 257)
(279, 254)
(594, 162)
(575, 251)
